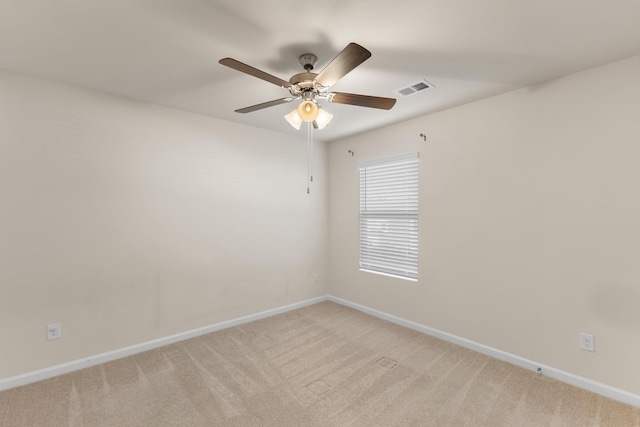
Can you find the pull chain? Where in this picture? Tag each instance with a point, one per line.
(309, 155)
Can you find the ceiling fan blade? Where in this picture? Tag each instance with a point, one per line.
(237, 65)
(350, 57)
(264, 105)
(362, 100)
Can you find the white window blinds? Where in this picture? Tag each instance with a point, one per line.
(389, 216)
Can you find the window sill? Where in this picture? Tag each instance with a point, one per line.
(410, 279)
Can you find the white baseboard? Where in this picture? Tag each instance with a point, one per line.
(76, 365)
(566, 377)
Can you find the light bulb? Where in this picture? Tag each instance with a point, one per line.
(308, 111)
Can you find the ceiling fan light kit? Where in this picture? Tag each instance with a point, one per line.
(320, 119)
(309, 87)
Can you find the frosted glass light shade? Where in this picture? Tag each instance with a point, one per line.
(308, 111)
(323, 118)
(294, 119)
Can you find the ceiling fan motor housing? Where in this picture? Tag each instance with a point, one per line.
(303, 80)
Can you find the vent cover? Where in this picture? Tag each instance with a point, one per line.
(414, 88)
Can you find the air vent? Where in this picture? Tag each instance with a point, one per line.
(414, 88)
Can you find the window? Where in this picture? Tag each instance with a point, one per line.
(389, 216)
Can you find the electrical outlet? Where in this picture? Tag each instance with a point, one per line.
(587, 342)
(53, 331)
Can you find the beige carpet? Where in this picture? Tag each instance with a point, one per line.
(323, 365)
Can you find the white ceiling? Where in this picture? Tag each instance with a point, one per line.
(167, 51)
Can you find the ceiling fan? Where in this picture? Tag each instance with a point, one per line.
(309, 87)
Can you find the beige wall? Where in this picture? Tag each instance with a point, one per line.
(530, 222)
(128, 222)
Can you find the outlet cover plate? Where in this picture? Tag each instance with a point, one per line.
(53, 331)
(587, 342)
